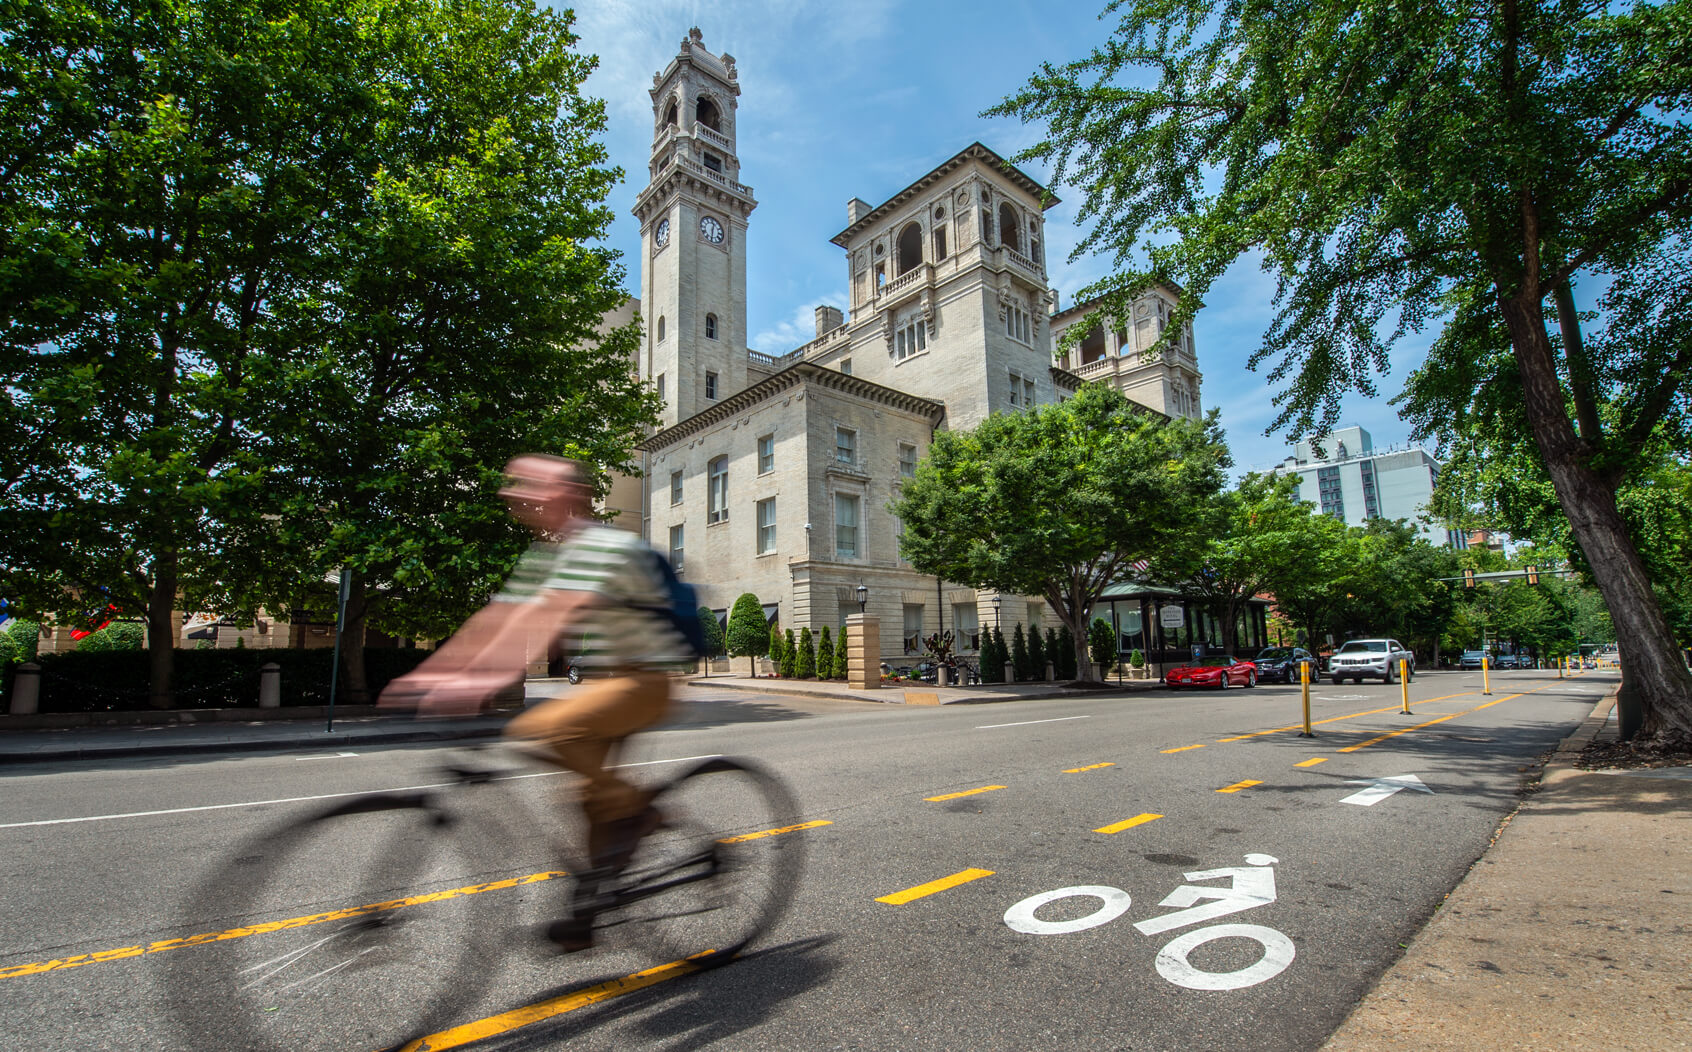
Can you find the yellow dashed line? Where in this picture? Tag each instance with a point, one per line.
(774, 832)
(269, 926)
(1137, 820)
(1183, 748)
(1237, 786)
(1313, 761)
(899, 898)
(1089, 767)
(966, 792)
(506, 1022)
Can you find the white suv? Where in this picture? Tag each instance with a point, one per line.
(1376, 658)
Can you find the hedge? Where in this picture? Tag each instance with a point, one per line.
(116, 681)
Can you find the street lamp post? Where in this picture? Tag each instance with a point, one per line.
(997, 600)
(863, 597)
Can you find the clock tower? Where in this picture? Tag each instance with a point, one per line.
(693, 217)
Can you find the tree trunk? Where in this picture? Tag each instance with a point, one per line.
(1655, 667)
(354, 687)
(161, 632)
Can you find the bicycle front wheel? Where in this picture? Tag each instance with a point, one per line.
(350, 929)
(720, 871)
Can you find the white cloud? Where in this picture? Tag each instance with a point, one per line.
(798, 330)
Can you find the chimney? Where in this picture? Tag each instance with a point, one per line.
(828, 319)
(856, 209)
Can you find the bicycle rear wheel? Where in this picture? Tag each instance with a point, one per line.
(721, 870)
(349, 929)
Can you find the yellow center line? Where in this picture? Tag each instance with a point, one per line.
(966, 792)
(774, 832)
(1237, 786)
(1137, 820)
(1406, 730)
(1330, 719)
(1313, 761)
(1089, 767)
(1183, 748)
(899, 898)
(269, 926)
(517, 1018)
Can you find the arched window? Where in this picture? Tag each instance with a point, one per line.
(910, 247)
(670, 115)
(710, 326)
(716, 504)
(660, 328)
(705, 111)
(1007, 228)
(1093, 345)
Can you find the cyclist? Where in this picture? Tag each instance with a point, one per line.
(578, 574)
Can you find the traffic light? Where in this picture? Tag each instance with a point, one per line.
(1533, 574)
(1468, 578)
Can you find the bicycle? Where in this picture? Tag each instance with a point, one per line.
(404, 946)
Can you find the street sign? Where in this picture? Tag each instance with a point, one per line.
(1381, 788)
(1171, 616)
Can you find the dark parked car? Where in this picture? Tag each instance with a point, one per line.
(1471, 660)
(1508, 661)
(1280, 664)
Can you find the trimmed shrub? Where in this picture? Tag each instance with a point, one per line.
(1019, 654)
(1137, 659)
(715, 640)
(805, 667)
(1037, 653)
(992, 669)
(842, 659)
(825, 654)
(1101, 642)
(1065, 649)
(778, 647)
(119, 635)
(789, 656)
(748, 635)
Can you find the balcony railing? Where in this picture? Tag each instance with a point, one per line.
(922, 273)
(1023, 261)
(715, 138)
(698, 169)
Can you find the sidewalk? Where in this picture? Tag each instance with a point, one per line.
(1572, 933)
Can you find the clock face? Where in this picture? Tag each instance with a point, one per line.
(662, 234)
(711, 230)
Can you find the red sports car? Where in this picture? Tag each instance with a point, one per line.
(1219, 671)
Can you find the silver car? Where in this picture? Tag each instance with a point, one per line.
(1372, 658)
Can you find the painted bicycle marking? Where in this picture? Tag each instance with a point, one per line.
(1248, 887)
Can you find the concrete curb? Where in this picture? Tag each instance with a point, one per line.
(325, 739)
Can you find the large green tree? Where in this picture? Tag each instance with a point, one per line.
(1058, 501)
(1393, 164)
(284, 284)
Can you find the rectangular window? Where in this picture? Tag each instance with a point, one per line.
(986, 225)
(907, 459)
(913, 628)
(846, 366)
(966, 630)
(766, 454)
(939, 243)
(676, 548)
(909, 337)
(1015, 389)
(845, 445)
(766, 526)
(711, 386)
(1027, 391)
(675, 487)
(718, 491)
(1017, 325)
(660, 387)
(713, 162)
(845, 526)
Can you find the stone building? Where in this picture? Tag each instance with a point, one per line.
(773, 474)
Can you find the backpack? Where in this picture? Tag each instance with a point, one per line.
(683, 611)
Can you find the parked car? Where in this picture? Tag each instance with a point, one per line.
(1217, 671)
(1471, 660)
(1507, 661)
(1280, 664)
(1372, 659)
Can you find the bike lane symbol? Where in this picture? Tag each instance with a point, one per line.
(1249, 886)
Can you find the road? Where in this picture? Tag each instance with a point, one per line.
(937, 909)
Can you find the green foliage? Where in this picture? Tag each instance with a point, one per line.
(789, 656)
(1057, 501)
(825, 654)
(805, 666)
(1137, 659)
(778, 646)
(1336, 144)
(992, 656)
(119, 635)
(748, 632)
(1101, 642)
(715, 640)
(1037, 656)
(21, 640)
(1064, 649)
(1019, 655)
(842, 657)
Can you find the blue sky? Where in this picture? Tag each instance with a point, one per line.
(860, 100)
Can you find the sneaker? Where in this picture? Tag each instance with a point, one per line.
(624, 835)
(571, 934)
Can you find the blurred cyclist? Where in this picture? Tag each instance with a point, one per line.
(578, 574)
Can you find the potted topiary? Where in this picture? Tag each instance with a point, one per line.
(1137, 665)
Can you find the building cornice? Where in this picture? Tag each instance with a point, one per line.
(973, 152)
(799, 374)
(1086, 306)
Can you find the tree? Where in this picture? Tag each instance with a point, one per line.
(263, 333)
(1101, 642)
(1059, 500)
(843, 657)
(825, 654)
(748, 632)
(1019, 654)
(1036, 653)
(778, 647)
(714, 638)
(1313, 593)
(789, 656)
(805, 666)
(1394, 164)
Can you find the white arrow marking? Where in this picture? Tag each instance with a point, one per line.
(1381, 788)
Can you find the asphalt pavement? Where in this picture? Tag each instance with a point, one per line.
(1571, 925)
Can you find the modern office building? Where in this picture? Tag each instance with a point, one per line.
(1343, 475)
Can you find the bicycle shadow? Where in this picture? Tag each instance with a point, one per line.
(693, 1011)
